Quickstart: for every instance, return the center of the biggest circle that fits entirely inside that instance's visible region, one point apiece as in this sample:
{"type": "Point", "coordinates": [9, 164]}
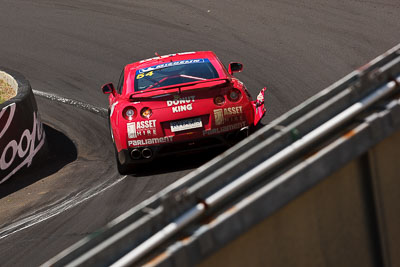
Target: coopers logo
{"type": "Point", "coordinates": [180, 104]}
{"type": "Point", "coordinates": [24, 147]}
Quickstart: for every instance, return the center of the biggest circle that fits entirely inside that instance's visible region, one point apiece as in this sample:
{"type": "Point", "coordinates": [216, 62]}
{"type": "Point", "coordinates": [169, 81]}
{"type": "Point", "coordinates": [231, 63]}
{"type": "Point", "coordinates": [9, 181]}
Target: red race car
{"type": "Point", "coordinates": [177, 103]}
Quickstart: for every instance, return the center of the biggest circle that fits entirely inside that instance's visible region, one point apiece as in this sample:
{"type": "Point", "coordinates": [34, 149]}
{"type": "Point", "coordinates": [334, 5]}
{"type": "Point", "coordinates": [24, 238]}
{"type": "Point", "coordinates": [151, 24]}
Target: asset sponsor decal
{"type": "Point", "coordinates": [233, 111]}
{"type": "Point", "coordinates": [233, 119]}
{"type": "Point", "coordinates": [180, 104]}
{"type": "Point", "coordinates": [226, 115]}
{"type": "Point", "coordinates": [141, 128]}
{"type": "Point", "coordinates": [218, 116]}
{"type": "Point", "coordinates": [172, 64]}
{"type": "Point", "coordinates": [223, 129]}
{"type": "Point", "coordinates": [151, 141]}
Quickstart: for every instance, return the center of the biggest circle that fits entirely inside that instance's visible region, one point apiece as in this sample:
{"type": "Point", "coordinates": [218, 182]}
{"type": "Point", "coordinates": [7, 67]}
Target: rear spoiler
{"type": "Point", "coordinates": [145, 94]}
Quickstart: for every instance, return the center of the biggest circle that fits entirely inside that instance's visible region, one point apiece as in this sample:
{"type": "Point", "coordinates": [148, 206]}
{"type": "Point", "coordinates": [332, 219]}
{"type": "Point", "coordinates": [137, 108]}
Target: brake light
{"type": "Point", "coordinates": [219, 100]}
{"type": "Point", "coordinates": [146, 113]}
{"type": "Point", "coordinates": [234, 95]}
{"type": "Point", "coordinates": [129, 113]}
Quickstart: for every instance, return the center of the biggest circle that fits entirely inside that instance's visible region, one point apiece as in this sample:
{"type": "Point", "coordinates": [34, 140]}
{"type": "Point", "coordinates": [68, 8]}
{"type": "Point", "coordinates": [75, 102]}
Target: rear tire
{"type": "Point", "coordinates": [123, 169]}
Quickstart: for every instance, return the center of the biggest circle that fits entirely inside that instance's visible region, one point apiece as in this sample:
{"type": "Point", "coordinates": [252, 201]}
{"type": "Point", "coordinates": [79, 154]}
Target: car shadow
{"type": "Point", "coordinates": [181, 162]}
{"type": "Point", "coordinates": [175, 163]}
{"type": "Point", "coordinates": [58, 152]}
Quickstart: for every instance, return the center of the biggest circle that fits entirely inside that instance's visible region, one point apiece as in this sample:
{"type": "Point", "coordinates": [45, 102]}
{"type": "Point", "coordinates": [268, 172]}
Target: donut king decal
{"type": "Point", "coordinates": [226, 115]}
{"type": "Point", "coordinates": [152, 141]}
{"type": "Point", "coordinates": [141, 128]}
{"type": "Point", "coordinates": [226, 128]}
{"type": "Point", "coordinates": [180, 104]}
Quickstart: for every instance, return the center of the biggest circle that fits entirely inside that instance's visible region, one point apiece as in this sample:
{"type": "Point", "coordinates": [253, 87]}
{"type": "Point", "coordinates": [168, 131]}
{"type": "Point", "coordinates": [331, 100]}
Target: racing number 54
{"type": "Point", "coordinates": [141, 75]}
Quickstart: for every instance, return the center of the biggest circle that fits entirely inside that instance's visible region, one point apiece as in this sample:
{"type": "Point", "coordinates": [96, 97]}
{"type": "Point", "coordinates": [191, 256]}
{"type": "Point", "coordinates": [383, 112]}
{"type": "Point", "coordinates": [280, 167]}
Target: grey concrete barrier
{"type": "Point", "coordinates": [21, 130]}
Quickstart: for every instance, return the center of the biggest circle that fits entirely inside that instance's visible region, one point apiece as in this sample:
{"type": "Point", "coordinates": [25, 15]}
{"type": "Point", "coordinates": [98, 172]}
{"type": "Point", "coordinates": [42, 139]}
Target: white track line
{"type": "Point", "coordinates": [57, 208]}
{"type": "Point", "coordinates": [76, 103]}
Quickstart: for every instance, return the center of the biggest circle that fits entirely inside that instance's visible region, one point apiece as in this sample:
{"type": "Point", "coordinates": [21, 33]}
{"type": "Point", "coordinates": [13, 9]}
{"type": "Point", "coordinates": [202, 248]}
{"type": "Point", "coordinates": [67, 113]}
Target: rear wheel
{"type": "Point", "coordinates": [122, 168]}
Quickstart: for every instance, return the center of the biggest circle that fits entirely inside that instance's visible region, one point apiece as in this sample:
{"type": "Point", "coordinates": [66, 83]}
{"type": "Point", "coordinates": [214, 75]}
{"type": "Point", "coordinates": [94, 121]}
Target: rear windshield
{"type": "Point", "coordinates": [176, 72]}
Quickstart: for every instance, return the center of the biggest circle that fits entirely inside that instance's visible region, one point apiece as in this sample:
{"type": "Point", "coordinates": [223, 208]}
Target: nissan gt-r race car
{"type": "Point", "coordinates": [178, 103]}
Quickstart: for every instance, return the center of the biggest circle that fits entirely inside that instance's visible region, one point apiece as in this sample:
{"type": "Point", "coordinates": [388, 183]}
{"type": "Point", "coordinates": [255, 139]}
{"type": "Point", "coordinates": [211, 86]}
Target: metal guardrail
{"type": "Point", "coordinates": [272, 149]}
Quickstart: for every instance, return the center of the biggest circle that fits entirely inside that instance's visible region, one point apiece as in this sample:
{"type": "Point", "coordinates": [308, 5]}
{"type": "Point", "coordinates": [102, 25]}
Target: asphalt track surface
{"type": "Point", "coordinates": [70, 48]}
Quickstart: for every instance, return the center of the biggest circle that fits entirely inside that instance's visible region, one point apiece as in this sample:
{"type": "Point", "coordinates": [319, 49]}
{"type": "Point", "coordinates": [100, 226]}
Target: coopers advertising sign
{"type": "Point", "coordinates": [21, 131]}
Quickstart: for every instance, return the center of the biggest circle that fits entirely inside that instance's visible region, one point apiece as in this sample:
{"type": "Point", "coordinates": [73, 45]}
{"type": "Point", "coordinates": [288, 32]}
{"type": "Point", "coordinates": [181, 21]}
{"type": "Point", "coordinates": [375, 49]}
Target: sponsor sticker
{"type": "Point", "coordinates": [166, 56]}
{"type": "Point", "coordinates": [223, 129]}
{"type": "Point", "coordinates": [131, 128]}
{"type": "Point", "coordinates": [233, 111]}
{"type": "Point", "coordinates": [180, 104]}
{"type": "Point", "coordinates": [227, 115]}
{"type": "Point", "coordinates": [23, 148]}
{"type": "Point", "coordinates": [218, 116]}
{"type": "Point", "coordinates": [139, 128]}
{"type": "Point", "coordinates": [151, 141]}
{"type": "Point", "coordinates": [172, 64]}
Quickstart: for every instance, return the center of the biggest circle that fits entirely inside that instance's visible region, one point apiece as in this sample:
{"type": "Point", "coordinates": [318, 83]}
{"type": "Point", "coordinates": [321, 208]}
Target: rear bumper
{"type": "Point", "coordinates": [129, 156]}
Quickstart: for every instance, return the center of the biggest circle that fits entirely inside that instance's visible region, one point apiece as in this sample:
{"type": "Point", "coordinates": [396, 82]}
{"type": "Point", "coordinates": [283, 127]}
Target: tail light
{"type": "Point", "coordinates": [129, 113]}
{"type": "Point", "coordinates": [146, 113]}
{"type": "Point", "coordinates": [219, 100]}
{"type": "Point", "coordinates": [234, 95]}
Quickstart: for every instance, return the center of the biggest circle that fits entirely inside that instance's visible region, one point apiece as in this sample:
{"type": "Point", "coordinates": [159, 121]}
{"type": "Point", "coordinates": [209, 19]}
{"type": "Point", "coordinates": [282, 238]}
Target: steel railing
{"type": "Point", "coordinates": [134, 234]}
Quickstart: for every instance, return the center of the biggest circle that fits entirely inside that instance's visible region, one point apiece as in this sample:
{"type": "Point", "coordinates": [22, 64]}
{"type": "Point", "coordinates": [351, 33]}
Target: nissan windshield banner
{"type": "Point", "coordinates": [21, 131]}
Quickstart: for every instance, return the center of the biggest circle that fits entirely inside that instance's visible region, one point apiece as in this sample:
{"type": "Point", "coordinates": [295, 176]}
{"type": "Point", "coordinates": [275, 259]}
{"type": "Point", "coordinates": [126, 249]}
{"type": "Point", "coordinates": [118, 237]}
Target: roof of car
{"type": "Point", "coordinates": [172, 57]}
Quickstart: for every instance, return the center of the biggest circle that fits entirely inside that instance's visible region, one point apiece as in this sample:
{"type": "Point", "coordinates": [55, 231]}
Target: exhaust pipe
{"type": "Point", "coordinates": [135, 153]}
{"type": "Point", "coordinates": [147, 153]}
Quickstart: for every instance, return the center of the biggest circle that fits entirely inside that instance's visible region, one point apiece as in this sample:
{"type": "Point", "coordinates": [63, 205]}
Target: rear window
{"type": "Point", "coordinates": [176, 72]}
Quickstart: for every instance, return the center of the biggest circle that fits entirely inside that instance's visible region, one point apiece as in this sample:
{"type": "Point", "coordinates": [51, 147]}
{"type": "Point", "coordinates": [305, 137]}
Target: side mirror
{"type": "Point", "coordinates": [235, 67]}
{"type": "Point", "coordinates": [108, 88]}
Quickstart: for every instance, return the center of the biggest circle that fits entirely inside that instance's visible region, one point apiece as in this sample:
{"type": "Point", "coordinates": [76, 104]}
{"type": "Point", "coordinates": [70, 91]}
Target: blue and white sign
{"type": "Point", "coordinates": [172, 64]}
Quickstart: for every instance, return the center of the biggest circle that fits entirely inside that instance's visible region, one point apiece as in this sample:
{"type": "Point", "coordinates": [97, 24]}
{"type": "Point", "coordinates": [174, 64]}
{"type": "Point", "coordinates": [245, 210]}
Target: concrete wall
{"type": "Point", "coordinates": [352, 218]}
{"type": "Point", "coordinates": [384, 162]}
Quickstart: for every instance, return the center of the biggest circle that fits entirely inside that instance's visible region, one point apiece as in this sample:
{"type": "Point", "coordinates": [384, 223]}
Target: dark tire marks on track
{"type": "Point", "coordinates": [73, 167]}
{"type": "Point", "coordinates": [59, 152]}
{"type": "Point", "coordinates": [71, 47]}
